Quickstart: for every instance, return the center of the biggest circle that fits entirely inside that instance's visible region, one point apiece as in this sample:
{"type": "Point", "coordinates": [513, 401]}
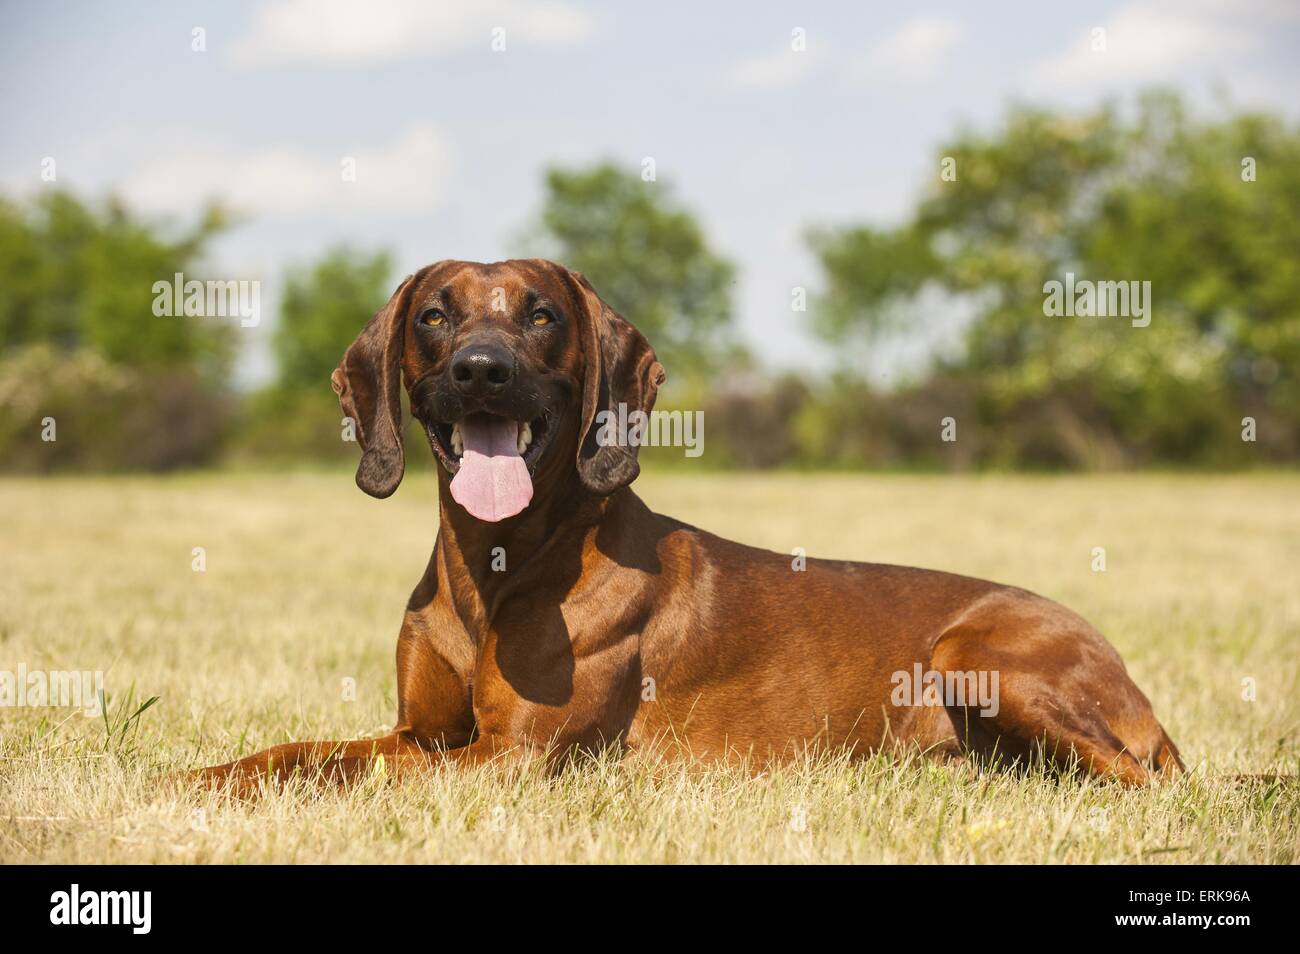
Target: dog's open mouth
{"type": "Point", "coordinates": [491, 460]}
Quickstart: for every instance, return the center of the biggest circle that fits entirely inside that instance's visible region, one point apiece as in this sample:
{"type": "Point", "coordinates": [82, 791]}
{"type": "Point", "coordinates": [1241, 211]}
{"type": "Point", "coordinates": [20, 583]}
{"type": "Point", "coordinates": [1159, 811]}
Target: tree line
{"type": "Point", "coordinates": [1195, 221]}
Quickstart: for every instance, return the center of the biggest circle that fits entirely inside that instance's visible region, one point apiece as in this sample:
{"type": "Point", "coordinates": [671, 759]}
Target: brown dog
{"type": "Point", "coordinates": [558, 614]}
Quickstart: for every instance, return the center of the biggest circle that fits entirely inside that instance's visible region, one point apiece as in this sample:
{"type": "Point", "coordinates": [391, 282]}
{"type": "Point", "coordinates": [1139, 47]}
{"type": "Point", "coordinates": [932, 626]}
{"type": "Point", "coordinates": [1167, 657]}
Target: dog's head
{"type": "Point", "coordinates": [507, 367]}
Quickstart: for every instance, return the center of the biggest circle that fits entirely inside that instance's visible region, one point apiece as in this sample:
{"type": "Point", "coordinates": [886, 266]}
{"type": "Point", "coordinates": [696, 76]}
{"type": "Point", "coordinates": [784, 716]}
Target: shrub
{"type": "Point", "coordinates": [103, 416]}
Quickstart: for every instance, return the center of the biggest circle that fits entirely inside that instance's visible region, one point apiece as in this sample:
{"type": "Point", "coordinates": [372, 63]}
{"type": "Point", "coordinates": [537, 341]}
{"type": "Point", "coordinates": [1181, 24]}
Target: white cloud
{"type": "Point", "coordinates": [1170, 41]}
{"type": "Point", "coordinates": [408, 175]}
{"type": "Point", "coordinates": [351, 33]}
{"type": "Point", "coordinates": [783, 69]}
{"type": "Point", "coordinates": [914, 53]}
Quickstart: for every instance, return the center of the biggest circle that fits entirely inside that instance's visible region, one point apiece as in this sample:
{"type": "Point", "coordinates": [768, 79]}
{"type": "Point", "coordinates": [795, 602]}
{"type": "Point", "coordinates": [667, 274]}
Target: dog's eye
{"type": "Point", "coordinates": [541, 317]}
{"type": "Point", "coordinates": [433, 318]}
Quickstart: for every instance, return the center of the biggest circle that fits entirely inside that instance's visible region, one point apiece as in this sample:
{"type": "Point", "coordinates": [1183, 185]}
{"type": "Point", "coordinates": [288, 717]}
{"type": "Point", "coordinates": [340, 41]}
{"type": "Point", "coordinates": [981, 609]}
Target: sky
{"type": "Point", "coordinates": [759, 138]}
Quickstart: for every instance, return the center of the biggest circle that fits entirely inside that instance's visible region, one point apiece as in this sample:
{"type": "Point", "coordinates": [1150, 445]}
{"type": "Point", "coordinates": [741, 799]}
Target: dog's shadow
{"type": "Point", "coordinates": [535, 646]}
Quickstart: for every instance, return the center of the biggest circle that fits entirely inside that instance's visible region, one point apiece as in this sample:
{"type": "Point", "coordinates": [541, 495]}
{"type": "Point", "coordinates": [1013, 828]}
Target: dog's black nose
{"type": "Point", "coordinates": [481, 369]}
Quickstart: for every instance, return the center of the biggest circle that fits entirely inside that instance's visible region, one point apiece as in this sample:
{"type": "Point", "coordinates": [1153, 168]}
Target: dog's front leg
{"type": "Point", "coordinates": [345, 763]}
{"type": "Point", "coordinates": [330, 763]}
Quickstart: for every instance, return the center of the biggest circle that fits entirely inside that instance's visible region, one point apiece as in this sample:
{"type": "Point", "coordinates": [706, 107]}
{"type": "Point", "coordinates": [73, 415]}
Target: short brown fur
{"type": "Point", "coordinates": [615, 626]}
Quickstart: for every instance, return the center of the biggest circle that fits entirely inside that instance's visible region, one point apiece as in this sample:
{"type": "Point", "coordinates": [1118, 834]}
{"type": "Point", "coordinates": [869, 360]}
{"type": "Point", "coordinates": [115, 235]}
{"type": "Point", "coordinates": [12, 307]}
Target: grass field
{"type": "Point", "coordinates": [304, 587]}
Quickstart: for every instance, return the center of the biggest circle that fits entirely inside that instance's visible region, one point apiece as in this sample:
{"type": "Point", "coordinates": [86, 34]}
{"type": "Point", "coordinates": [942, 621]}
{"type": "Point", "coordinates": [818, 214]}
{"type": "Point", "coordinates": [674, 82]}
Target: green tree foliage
{"type": "Point", "coordinates": [76, 276]}
{"type": "Point", "coordinates": [324, 306]}
{"type": "Point", "coordinates": [90, 377]}
{"type": "Point", "coordinates": [323, 309]}
{"type": "Point", "coordinates": [647, 257]}
{"type": "Point", "coordinates": [1151, 195]}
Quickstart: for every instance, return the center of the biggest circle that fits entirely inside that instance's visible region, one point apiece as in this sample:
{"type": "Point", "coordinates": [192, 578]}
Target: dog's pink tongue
{"type": "Point", "coordinates": [493, 481]}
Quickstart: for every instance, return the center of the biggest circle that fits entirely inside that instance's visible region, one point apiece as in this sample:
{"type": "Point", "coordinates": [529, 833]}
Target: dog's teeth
{"type": "Point", "coordinates": [525, 437]}
{"type": "Point", "coordinates": [457, 442]}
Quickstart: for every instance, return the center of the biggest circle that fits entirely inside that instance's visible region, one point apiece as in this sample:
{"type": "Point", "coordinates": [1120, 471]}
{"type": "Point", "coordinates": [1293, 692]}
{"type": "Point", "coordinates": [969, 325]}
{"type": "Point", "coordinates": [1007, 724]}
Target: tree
{"type": "Point", "coordinates": [80, 276]}
{"type": "Point", "coordinates": [81, 348]}
{"type": "Point", "coordinates": [1159, 198]}
{"type": "Point", "coordinates": [322, 310]}
{"type": "Point", "coordinates": [646, 256]}
{"type": "Point", "coordinates": [323, 307]}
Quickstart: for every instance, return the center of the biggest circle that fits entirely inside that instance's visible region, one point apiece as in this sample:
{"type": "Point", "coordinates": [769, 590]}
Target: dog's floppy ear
{"type": "Point", "coordinates": [620, 369]}
{"type": "Point", "coordinates": [367, 382]}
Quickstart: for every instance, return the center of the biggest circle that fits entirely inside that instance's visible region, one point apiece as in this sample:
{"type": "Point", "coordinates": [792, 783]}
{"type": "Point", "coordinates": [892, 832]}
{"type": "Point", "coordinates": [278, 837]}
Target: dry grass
{"type": "Point", "coordinates": [305, 583]}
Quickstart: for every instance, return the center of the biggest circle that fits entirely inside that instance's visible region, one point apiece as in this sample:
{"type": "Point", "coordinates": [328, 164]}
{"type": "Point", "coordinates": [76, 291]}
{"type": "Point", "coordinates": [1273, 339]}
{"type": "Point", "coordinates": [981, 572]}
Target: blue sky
{"type": "Point", "coordinates": [450, 136]}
